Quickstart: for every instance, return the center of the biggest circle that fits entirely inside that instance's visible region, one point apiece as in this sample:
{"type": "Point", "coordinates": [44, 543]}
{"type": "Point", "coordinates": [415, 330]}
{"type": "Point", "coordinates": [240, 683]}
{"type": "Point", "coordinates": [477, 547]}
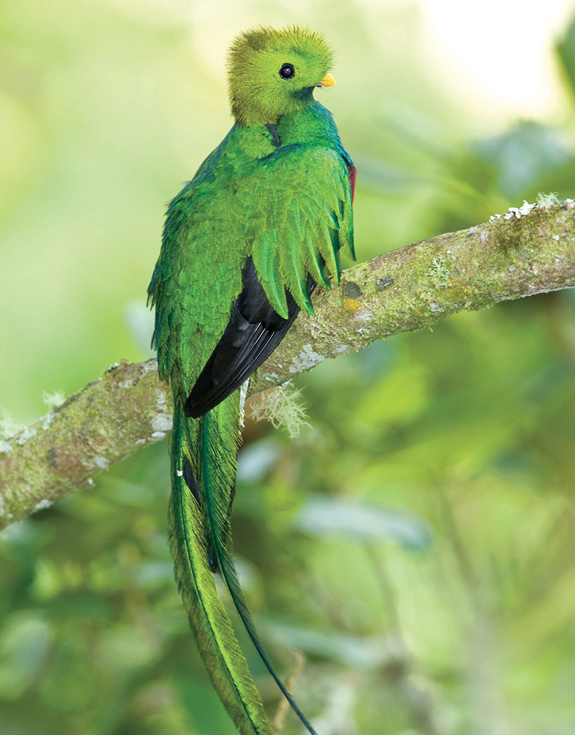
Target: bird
{"type": "Point", "coordinates": [245, 243]}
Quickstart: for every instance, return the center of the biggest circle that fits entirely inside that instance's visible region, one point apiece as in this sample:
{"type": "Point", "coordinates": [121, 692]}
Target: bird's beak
{"type": "Point", "coordinates": [327, 81]}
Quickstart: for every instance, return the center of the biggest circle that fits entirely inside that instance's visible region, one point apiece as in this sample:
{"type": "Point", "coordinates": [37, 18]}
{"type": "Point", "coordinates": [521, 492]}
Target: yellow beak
{"type": "Point", "coordinates": [327, 81]}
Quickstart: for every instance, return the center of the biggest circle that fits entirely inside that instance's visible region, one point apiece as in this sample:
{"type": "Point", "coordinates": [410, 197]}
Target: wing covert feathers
{"type": "Point", "coordinates": [302, 219]}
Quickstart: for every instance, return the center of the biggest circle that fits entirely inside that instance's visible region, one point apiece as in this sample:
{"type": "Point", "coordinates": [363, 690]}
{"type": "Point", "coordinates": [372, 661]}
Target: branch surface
{"type": "Point", "coordinates": [407, 289]}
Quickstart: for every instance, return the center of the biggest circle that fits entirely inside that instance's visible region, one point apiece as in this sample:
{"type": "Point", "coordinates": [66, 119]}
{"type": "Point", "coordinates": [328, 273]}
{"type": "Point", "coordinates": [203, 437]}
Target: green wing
{"type": "Point", "coordinates": [300, 219]}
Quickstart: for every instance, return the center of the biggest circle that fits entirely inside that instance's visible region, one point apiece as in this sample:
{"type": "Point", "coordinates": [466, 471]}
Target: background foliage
{"type": "Point", "coordinates": [416, 540]}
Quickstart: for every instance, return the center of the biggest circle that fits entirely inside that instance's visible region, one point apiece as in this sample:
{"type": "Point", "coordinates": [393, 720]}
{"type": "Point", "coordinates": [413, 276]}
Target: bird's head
{"type": "Point", "coordinates": [274, 72]}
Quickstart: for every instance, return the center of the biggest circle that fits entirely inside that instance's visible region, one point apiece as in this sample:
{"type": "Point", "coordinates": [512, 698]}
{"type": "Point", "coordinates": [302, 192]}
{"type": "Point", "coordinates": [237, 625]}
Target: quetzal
{"type": "Point", "coordinates": [245, 243]}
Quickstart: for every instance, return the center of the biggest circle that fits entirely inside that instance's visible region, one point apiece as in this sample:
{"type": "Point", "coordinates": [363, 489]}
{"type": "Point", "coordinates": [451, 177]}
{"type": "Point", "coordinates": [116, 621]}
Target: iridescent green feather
{"type": "Point", "coordinates": [209, 620]}
{"type": "Point", "coordinates": [289, 208]}
{"type": "Point", "coordinates": [314, 180]}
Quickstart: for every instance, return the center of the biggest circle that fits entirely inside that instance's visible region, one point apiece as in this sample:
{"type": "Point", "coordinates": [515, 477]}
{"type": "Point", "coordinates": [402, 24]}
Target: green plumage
{"type": "Point", "coordinates": [277, 190]}
{"type": "Point", "coordinates": [212, 628]}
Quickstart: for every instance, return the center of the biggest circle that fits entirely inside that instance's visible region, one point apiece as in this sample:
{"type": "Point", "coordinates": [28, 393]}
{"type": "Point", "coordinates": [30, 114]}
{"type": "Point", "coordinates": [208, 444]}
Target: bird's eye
{"type": "Point", "coordinates": [287, 71]}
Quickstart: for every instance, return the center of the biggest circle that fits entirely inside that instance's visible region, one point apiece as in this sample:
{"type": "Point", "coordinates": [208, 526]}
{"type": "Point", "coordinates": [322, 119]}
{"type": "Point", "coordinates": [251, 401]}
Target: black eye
{"type": "Point", "coordinates": [287, 71]}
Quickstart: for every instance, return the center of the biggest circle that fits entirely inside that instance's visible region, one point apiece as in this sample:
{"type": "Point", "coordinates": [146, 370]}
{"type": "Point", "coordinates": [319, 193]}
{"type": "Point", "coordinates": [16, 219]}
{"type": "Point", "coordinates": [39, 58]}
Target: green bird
{"type": "Point", "coordinates": [245, 243]}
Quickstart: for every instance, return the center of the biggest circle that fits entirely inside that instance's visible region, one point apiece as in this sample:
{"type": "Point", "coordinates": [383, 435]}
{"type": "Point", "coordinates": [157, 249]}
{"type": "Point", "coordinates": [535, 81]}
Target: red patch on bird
{"type": "Point", "coordinates": [352, 175]}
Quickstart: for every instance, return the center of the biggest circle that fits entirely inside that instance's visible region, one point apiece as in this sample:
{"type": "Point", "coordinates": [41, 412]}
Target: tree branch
{"type": "Point", "coordinates": [128, 408]}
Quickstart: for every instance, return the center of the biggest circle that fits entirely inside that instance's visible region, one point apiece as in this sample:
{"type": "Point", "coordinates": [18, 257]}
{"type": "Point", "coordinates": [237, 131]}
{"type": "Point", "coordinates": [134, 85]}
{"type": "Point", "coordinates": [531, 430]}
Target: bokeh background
{"type": "Point", "coordinates": [416, 541]}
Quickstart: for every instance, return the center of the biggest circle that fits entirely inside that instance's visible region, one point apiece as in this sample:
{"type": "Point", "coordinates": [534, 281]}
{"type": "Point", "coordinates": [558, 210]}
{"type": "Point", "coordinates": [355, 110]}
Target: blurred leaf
{"type": "Point", "coordinates": [24, 643]}
{"type": "Point", "coordinates": [362, 521]}
{"type": "Point", "coordinates": [361, 653]}
{"type": "Point", "coordinates": [527, 153]}
{"type": "Point", "coordinates": [394, 399]}
{"type": "Point", "coordinates": [125, 648]}
{"type": "Point", "coordinates": [257, 459]}
{"type": "Point", "coordinates": [155, 573]}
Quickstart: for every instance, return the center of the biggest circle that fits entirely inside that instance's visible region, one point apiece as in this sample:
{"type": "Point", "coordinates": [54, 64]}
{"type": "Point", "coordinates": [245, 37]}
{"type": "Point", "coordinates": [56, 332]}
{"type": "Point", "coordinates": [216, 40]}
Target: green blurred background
{"type": "Point", "coordinates": [416, 541]}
